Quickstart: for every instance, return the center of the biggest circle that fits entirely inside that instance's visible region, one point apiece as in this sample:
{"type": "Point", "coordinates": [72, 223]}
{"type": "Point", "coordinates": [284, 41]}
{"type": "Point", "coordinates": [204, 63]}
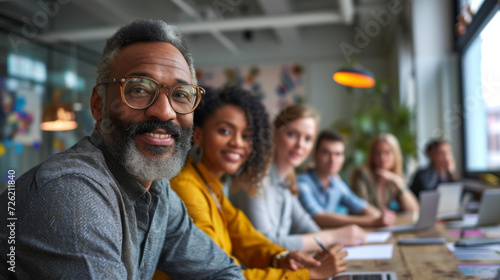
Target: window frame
{"type": "Point", "coordinates": [461, 44]}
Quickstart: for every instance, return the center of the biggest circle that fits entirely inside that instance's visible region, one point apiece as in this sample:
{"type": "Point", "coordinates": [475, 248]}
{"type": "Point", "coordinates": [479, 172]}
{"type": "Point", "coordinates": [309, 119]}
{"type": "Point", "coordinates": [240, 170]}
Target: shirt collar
{"type": "Point", "coordinates": [128, 183]}
{"type": "Point", "coordinates": [316, 180]}
{"type": "Point", "coordinates": [275, 177]}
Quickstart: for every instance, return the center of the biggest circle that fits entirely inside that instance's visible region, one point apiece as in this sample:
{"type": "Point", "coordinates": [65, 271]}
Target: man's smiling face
{"type": "Point", "coordinates": [152, 143]}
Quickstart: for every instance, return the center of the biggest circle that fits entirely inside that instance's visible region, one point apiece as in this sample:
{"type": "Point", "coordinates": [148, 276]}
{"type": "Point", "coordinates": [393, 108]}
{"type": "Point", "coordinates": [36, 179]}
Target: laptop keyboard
{"type": "Point", "coordinates": [367, 277]}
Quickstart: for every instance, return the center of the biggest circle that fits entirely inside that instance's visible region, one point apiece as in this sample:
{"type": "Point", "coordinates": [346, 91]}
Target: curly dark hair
{"type": "Point", "coordinates": [254, 169]}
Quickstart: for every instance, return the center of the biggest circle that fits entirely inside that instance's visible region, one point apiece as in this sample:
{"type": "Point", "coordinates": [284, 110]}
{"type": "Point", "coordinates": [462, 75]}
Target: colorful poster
{"type": "Point", "coordinates": [276, 85]}
{"type": "Point", "coordinates": [20, 112]}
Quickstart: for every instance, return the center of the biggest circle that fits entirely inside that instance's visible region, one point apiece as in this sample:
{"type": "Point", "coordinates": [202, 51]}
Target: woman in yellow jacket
{"type": "Point", "coordinates": [232, 134]}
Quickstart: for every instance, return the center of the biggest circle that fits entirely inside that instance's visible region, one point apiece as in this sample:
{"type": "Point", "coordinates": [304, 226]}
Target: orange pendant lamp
{"type": "Point", "coordinates": [58, 116]}
{"type": "Point", "coordinates": [354, 77]}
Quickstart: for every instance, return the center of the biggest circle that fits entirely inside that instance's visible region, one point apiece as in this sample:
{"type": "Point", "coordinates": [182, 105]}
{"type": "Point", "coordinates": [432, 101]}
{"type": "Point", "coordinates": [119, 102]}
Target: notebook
{"type": "Point", "coordinates": [449, 206]}
{"type": "Point", "coordinates": [488, 212]}
{"type": "Point", "coordinates": [374, 275]}
{"type": "Point", "coordinates": [427, 217]}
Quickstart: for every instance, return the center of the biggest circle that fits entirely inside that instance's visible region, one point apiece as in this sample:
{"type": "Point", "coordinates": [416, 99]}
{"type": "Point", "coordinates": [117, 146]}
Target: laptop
{"type": "Point", "coordinates": [374, 275]}
{"type": "Point", "coordinates": [449, 206]}
{"type": "Point", "coordinates": [488, 212]}
{"type": "Point", "coordinates": [427, 217]}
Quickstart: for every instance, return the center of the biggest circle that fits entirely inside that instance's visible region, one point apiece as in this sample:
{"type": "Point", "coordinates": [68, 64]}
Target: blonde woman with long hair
{"type": "Point", "coordinates": [380, 180]}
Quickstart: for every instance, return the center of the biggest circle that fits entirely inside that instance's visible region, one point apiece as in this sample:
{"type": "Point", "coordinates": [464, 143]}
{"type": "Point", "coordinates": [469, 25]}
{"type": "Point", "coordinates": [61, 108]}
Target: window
{"type": "Point", "coordinates": [481, 98]}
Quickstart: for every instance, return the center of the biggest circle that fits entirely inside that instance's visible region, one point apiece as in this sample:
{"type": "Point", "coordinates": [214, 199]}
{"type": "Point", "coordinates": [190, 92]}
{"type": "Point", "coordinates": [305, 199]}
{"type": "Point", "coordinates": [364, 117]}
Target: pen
{"type": "Point", "coordinates": [320, 243]}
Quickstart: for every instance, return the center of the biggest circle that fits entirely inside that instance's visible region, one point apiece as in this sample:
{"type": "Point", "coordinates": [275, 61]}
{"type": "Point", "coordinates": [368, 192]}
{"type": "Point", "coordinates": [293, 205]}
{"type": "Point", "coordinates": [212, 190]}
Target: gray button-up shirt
{"type": "Point", "coordinates": [80, 215]}
{"type": "Point", "coordinates": [276, 212]}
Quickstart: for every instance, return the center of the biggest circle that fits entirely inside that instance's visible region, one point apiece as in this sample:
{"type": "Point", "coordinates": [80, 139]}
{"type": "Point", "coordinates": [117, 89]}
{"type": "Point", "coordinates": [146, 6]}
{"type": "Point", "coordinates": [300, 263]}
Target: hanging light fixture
{"type": "Point", "coordinates": [354, 77]}
{"type": "Point", "coordinates": [58, 116]}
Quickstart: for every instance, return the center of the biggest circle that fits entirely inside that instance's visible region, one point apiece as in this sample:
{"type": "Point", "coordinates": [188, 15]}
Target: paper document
{"type": "Point", "coordinates": [470, 217]}
{"type": "Point", "coordinates": [377, 237]}
{"type": "Point", "coordinates": [483, 270]}
{"type": "Point", "coordinates": [488, 252]}
{"type": "Point", "coordinates": [369, 252]}
{"type": "Point", "coordinates": [492, 247]}
{"type": "Point", "coordinates": [472, 255]}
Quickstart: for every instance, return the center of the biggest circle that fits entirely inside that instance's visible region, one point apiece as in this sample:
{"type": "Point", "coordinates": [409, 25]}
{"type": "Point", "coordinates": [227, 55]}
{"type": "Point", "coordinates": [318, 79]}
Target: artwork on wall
{"type": "Point", "coordinates": [277, 86]}
{"type": "Point", "coordinates": [20, 111]}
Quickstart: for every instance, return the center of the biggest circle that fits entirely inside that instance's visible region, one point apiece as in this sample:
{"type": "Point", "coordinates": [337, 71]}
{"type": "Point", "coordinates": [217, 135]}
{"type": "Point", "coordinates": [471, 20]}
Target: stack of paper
{"type": "Point", "coordinates": [377, 237]}
{"type": "Point", "coordinates": [483, 270]}
{"type": "Point", "coordinates": [369, 252]}
{"type": "Point", "coordinates": [489, 252]}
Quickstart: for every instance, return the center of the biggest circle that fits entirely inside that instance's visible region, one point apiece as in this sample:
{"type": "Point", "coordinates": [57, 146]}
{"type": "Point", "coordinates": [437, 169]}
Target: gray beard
{"type": "Point", "coordinates": [148, 169]}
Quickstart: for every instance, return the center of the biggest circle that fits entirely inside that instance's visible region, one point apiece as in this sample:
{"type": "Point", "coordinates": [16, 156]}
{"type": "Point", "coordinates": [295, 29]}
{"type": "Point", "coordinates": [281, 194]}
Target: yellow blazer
{"type": "Point", "coordinates": [229, 227]}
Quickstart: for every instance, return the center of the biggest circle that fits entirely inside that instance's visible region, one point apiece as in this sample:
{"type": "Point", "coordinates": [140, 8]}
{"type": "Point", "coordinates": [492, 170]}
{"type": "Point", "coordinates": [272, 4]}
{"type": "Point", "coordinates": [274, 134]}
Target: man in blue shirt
{"type": "Point", "coordinates": [322, 191]}
{"type": "Point", "coordinates": [104, 209]}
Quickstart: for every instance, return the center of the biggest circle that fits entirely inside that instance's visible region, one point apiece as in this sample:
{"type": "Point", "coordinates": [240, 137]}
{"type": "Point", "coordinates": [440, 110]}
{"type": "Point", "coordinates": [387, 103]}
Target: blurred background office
{"type": "Point", "coordinates": [434, 66]}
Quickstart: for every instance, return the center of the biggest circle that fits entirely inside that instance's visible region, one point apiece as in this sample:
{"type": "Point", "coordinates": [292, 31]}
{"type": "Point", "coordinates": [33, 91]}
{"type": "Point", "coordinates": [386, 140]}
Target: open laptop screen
{"type": "Point", "coordinates": [449, 201]}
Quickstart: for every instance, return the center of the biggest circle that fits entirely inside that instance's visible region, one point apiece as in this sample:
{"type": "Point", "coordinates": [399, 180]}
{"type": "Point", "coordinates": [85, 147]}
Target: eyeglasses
{"type": "Point", "coordinates": [141, 92]}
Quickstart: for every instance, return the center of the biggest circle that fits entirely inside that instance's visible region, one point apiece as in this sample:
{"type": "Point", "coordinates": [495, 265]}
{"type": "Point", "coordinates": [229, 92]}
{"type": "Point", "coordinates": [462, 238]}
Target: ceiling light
{"type": "Point", "coordinates": [354, 77]}
{"type": "Point", "coordinates": [58, 116]}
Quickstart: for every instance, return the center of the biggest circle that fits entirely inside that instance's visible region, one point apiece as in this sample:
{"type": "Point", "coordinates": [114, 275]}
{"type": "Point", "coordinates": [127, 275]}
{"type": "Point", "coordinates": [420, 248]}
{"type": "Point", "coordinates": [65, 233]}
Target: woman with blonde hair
{"type": "Point", "coordinates": [380, 181]}
{"type": "Point", "coordinates": [275, 210]}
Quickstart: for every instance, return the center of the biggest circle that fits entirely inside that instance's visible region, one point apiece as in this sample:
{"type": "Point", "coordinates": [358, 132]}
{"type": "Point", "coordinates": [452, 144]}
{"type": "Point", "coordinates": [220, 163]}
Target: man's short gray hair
{"type": "Point", "coordinates": [142, 30]}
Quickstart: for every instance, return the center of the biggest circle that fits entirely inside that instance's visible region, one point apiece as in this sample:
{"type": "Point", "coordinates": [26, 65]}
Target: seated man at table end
{"type": "Point", "coordinates": [441, 167]}
{"type": "Point", "coordinates": [321, 190]}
